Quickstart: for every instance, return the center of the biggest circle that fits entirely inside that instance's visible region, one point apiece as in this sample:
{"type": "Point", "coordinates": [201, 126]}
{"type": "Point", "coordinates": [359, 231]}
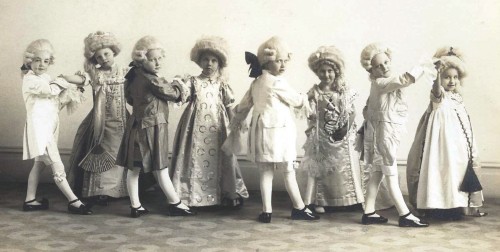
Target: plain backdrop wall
{"type": "Point", "coordinates": [415, 29]}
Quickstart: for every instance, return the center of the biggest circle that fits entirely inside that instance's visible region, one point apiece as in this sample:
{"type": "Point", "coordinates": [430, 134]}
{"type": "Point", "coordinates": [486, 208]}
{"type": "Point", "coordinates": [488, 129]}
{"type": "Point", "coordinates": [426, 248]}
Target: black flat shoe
{"type": "Point", "coordinates": [367, 220]}
{"type": "Point", "coordinates": [265, 217]}
{"type": "Point", "coordinates": [173, 210]}
{"type": "Point", "coordinates": [302, 214]}
{"type": "Point", "coordinates": [44, 205]}
{"type": "Point", "coordinates": [404, 222]}
{"type": "Point", "coordinates": [82, 210]}
{"type": "Point", "coordinates": [136, 212]}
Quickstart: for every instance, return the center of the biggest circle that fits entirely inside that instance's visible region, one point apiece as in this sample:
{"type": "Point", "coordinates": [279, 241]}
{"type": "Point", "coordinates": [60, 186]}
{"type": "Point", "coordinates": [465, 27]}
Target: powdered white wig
{"type": "Point", "coordinates": [271, 50]}
{"type": "Point", "coordinates": [326, 55]}
{"type": "Point", "coordinates": [331, 56]}
{"type": "Point", "coordinates": [215, 45]}
{"type": "Point", "coordinates": [143, 46]}
{"type": "Point", "coordinates": [99, 40]}
{"type": "Point", "coordinates": [38, 45]}
{"type": "Point", "coordinates": [370, 51]}
{"type": "Point", "coordinates": [451, 57]}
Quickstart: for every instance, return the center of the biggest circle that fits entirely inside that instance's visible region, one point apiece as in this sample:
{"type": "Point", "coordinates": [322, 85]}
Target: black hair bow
{"type": "Point", "coordinates": [255, 68]}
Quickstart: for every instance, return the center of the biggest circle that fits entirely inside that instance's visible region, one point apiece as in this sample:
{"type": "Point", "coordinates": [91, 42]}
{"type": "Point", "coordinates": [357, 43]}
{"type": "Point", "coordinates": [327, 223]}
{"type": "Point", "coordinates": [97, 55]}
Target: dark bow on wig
{"type": "Point", "coordinates": [451, 52]}
{"type": "Point", "coordinates": [255, 69]}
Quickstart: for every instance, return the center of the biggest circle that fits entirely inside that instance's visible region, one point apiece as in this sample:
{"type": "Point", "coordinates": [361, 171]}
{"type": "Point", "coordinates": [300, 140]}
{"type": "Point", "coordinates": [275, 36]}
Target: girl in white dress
{"type": "Point", "coordinates": [42, 98]}
{"type": "Point", "coordinates": [443, 160]}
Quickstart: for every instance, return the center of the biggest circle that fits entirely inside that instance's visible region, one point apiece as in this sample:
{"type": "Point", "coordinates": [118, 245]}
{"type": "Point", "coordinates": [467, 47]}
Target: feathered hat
{"type": "Point", "coordinates": [216, 45]}
{"type": "Point", "coordinates": [142, 47]}
{"type": "Point", "coordinates": [98, 40]}
{"type": "Point", "coordinates": [326, 54]}
{"type": "Point", "coordinates": [274, 48]}
{"type": "Point", "coordinates": [370, 51]}
{"type": "Point", "coordinates": [451, 57]}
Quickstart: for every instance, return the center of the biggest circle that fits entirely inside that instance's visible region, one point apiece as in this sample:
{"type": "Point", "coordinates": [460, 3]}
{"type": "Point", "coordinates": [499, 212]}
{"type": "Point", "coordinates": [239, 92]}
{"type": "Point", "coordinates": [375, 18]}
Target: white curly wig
{"type": "Point", "coordinates": [274, 48]}
{"type": "Point", "coordinates": [452, 57]}
{"type": "Point", "coordinates": [143, 46]}
{"type": "Point", "coordinates": [370, 51]}
{"type": "Point", "coordinates": [38, 45]}
{"type": "Point", "coordinates": [98, 40]}
{"type": "Point", "coordinates": [331, 56]}
{"type": "Point", "coordinates": [215, 45]}
{"type": "Point", "coordinates": [328, 55]}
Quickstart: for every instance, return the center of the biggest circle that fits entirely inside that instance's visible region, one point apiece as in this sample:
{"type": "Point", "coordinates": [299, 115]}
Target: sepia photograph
{"type": "Point", "coordinates": [232, 125]}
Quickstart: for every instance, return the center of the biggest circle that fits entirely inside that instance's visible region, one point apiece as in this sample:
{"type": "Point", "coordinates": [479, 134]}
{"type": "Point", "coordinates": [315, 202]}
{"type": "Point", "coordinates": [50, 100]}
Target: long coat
{"type": "Point", "coordinates": [42, 114]}
{"type": "Point", "coordinates": [272, 136]}
{"type": "Point", "coordinates": [149, 95]}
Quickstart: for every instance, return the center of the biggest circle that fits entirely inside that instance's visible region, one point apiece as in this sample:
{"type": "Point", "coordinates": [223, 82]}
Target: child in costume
{"type": "Point", "coordinates": [335, 176]}
{"type": "Point", "coordinates": [443, 158]}
{"type": "Point", "coordinates": [272, 134]}
{"type": "Point", "coordinates": [385, 117]}
{"type": "Point", "coordinates": [202, 174]}
{"type": "Point", "coordinates": [42, 98]}
{"type": "Point", "coordinates": [149, 95]}
{"type": "Point", "coordinates": [92, 168]}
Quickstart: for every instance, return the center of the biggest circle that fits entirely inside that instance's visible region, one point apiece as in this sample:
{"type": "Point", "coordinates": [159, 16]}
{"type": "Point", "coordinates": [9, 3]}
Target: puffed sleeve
{"type": "Point", "coordinates": [227, 95]}
{"type": "Point", "coordinates": [436, 101]}
{"type": "Point", "coordinates": [39, 86]}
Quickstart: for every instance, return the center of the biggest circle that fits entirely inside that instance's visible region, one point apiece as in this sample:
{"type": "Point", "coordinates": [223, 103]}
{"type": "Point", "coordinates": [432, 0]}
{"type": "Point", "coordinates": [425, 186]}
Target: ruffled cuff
{"type": "Point", "coordinates": [425, 72]}
{"type": "Point", "coordinates": [183, 89]}
{"type": "Point", "coordinates": [70, 97]}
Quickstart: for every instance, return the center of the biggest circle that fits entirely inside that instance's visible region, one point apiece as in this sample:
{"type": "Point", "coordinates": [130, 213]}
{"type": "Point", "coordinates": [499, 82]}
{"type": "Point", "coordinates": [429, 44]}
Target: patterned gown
{"type": "Point", "coordinates": [202, 174]}
{"type": "Point", "coordinates": [104, 125]}
{"type": "Point", "coordinates": [334, 162]}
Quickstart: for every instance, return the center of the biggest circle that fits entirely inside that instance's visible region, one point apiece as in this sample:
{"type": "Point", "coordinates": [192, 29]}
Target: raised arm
{"type": "Point", "coordinates": [39, 87]}
{"type": "Point", "coordinates": [289, 96]}
{"type": "Point", "coordinates": [166, 91]}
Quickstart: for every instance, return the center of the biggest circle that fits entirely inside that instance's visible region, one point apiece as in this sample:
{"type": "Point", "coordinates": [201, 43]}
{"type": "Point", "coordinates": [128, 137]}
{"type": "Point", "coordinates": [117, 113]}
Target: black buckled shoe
{"type": "Point", "coordinates": [405, 222]}
{"type": "Point", "coordinates": [136, 212]}
{"type": "Point", "coordinates": [44, 205]}
{"type": "Point", "coordinates": [82, 210]}
{"type": "Point", "coordinates": [174, 210]}
{"type": "Point", "coordinates": [367, 220]}
{"type": "Point", "coordinates": [265, 217]}
{"type": "Point", "coordinates": [303, 214]}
